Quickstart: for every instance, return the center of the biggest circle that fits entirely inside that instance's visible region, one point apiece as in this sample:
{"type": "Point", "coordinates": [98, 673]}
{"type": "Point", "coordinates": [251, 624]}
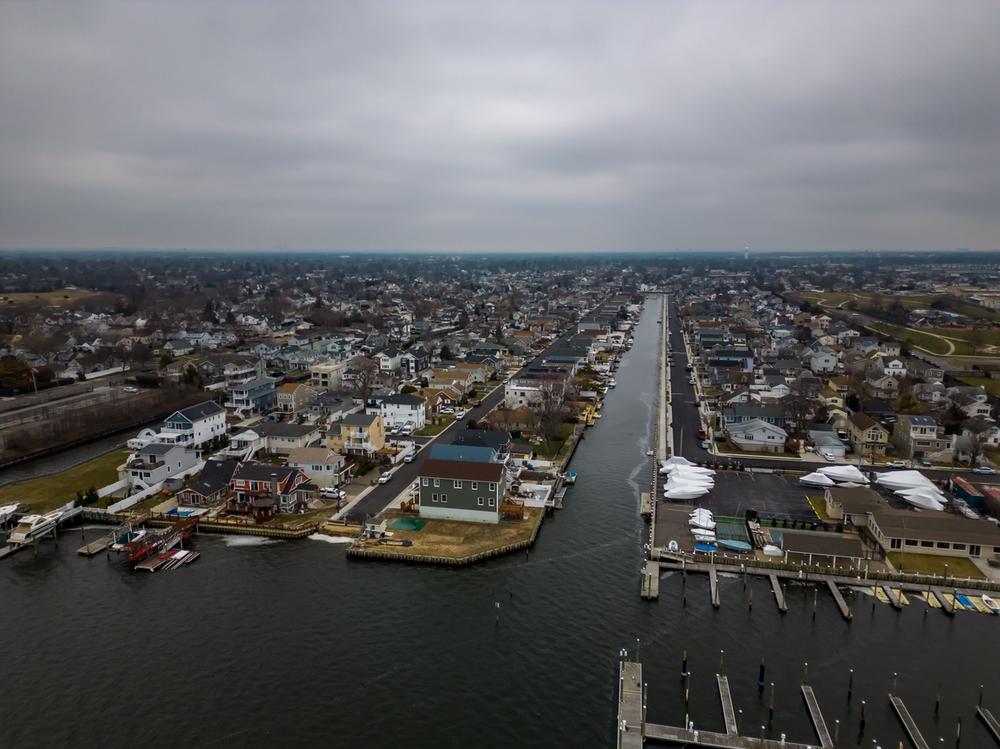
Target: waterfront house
{"type": "Point", "coordinates": [495, 439]}
{"type": "Point", "coordinates": [251, 397]}
{"type": "Point", "coordinates": [158, 461]}
{"type": "Point", "coordinates": [263, 489]}
{"type": "Point", "coordinates": [295, 397]}
{"type": "Point", "coordinates": [470, 491]}
{"type": "Point", "coordinates": [211, 486]}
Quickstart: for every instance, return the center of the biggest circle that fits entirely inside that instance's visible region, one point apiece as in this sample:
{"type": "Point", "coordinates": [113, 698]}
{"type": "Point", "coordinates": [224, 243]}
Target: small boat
{"type": "Point", "coordinates": [569, 477]}
{"type": "Point", "coordinates": [966, 603]}
{"type": "Point", "coordinates": [673, 546]}
{"type": "Point", "coordinates": [124, 538]}
{"type": "Point", "coordinates": [734, 545]}
{"type": "Point", "coordinates": [709, 548]}
{"type": "Point", "coordinates": [611, 383]}
{"type": "Point", "coordinates": [7, 512]}
{"type": "Point", "coordinates": [991, 604]}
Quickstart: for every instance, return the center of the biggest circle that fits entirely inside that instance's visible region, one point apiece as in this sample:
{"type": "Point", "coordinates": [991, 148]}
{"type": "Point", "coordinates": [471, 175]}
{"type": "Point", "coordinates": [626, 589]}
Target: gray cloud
{"type": "Point", "coordinates": [500, 126]}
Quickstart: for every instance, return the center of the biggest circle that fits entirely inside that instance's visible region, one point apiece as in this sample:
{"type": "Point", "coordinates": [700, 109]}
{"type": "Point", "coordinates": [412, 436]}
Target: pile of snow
{"type": "Point", "coordinates": [817, 479]}
{"type": "Point", "coordinates": [844, 473]}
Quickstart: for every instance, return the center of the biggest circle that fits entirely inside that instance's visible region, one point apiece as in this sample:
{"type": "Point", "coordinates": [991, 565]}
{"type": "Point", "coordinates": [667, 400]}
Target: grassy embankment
{"type": "Point", "coordinates": [48, 492]}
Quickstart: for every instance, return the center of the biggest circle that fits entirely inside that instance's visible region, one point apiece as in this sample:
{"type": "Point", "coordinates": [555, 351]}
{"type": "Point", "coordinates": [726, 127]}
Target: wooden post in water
{"type": "Point", "coordinates": [850, 685]}
{"type": "Point", "coordinates": [760, 680]}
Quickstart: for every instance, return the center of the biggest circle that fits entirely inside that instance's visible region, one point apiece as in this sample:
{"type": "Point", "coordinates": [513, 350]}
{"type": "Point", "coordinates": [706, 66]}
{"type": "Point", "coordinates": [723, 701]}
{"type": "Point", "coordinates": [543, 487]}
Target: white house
{"type": "Point", "coordinates": [823, 360]}
{"type": "Point", "coordinates": [519, 392]}
{"type": "Point", "coordinates": [402, 409]}
{"type": "Point", "coordinates": [190, 427]}
{"type": "Point", "coordinates": [323, 466]}
{"type": "Point", "coordinates": [388, 360]}
{"type": "Point", "coordinates": [757, 435]}
{"type": "Point", "coordinates": [158, 461]}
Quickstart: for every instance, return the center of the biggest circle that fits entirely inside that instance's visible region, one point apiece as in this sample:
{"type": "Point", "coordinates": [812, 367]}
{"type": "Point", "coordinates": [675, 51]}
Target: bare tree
{"type": "Point", "coordinates": [365, 375]}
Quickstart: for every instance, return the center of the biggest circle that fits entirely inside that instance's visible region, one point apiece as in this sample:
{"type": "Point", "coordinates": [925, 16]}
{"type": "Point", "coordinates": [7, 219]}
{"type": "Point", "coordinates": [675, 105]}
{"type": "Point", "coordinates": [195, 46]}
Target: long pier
{"type": "Point", "coordinates": [822, 732]}
{"type": "Point", "coordinates": [779, 594]}
{"type": "Point", "coordinates": [713, 581]}
{"type": "Point", "coordinates": [991, 723]}
{"type": "Point", "coordinates": [909, 725]}
{"type": "Point", "coordinates": [630, 712]}
{"type": "Point", "coordinates": [728, 711]}
{"type": "Point", "coordinates": [893, 597]}
{"type": "Point", "coordinates": [845, 610]}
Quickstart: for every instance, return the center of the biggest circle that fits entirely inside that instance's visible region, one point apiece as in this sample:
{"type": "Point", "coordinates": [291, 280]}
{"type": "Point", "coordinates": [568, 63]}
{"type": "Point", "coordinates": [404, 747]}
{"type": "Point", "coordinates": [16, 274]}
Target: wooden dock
{"type": "Point", "coordinates": [651, 580]}
{"type": "Point", "coordinates": [946, 605]}
{"type": "Point", "coordinates": [645, 504]}
{"type": "Point", "coordinates": [630, 713]}
{"type": "Point", "coordinates": [728, 711]}
{"type": "Point", "coordinates": [816, 715]}
{"type": "Point", "coordinates": [845, 610]}
{"type": "Point", "coordinates": [688, 737]}
{"type": "Point", "coordinates": [779, 594]}
{"type": "Point", "coordinates": [892, 596]}
{"type": "Point", "coordinates": [713, 583]}
{"type": "Point", "coordinates": [909, 725]}
{"type": "Point", "coordinates": [991, 723]}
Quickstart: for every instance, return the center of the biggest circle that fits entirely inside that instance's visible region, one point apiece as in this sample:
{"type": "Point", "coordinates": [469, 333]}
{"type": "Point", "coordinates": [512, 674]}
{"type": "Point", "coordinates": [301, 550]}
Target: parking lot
{"type": "Point", "coordinates": [769, 494]}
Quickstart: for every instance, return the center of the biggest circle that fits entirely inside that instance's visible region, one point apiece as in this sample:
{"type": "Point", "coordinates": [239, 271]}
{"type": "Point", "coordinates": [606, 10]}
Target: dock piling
{"type": "Point", "coordinates": [760, 678]}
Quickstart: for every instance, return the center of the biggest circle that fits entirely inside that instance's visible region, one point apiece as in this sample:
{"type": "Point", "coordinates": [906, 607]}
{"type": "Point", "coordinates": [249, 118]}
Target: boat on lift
{"type": "Point", "coordinates": [31, 527]}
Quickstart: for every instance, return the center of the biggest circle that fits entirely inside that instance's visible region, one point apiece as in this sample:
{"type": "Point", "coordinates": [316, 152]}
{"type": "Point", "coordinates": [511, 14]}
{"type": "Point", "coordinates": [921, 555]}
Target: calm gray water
{"type": "Point", "coordinates": [289, 643]}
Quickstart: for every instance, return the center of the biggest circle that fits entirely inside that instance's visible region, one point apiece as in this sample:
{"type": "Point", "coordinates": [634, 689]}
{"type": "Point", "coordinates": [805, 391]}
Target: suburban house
{"type": "Point", "coordinates": [211, 486]}
{"type": "Point", "coordinates": [251, 397]}
{"type": "Point", "coordinates": [463, 452]}
{"type": "Point", "coordinates": [264, 489]}
{"type": "Point", "coordinates": [327, 375]}
{"type": "Point", "coordinates": [495, 439]}
{"type": "Point", "coordinates": [357, 434]}
{"type": "Point", "coordinates": [867, 436]}
{"type": "Point", "coordinates": [414, 361]}
{"type": "Point", "coordinates": [823, 360]}
{"type": "Point", "coordinates": [471, 491]}
{"type": "Point", "coordinates": [282, 438]}
{"type": "Point", "coordinates": [974, 401]}
{"type": "Point", "coordinates": [295, 397]}
{"type": "Point", "coordinates": [401, 410]}
{"type": "Point", "coordinates": [436, 399]}
{"type": "Point", "coordinates": [158, 461]}
{"type": "Point", "coordinates": [323, 466]}
{"type": "Point", "coordinates": [917, 436]}
{"type": "Point", "coordinates": [744, 413]}
{"type": "Point", "coordinates": [757, 435]}
{"type": "Point", "coordinates": [388, 360]}
{"type": "Point", "coordinates": [332, 407]}
{"type": "Point", "coordinates": [190, 427]}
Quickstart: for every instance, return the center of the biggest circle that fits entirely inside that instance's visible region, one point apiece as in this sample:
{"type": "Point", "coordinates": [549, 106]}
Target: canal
{"type": "Point", "coordinates": [272, 643]}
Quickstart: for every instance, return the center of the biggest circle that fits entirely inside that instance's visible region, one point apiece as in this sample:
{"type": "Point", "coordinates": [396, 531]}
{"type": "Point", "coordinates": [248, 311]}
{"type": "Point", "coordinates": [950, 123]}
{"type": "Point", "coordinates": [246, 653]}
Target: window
{"type": "Point", "coordinates": [910, 542]}
{"type": "Point", "coordinates": [974, 550]}
{"type": "Point", "coordinates": [896, 543]}
{"type": "Point", "coordinates": [434, 498]}
{"type": "Point", "coordinates": [479, 501]}
{"type": "Point", "coordinates": [426, 481]}
{"type": "Point", "coordinates": [943, 545]}
{"type": "Point", "coordinates": [493, 502]}
{"type": "Point", "coordinates": [457, 484]}
{"type": "Point", "coordinates": [961, 547]}
{"type": "Point", "coordinates": [444, 499]}
{"type": "Point", "coordinates": [475, 485]}
{"type": "Point", "coordinates": [493, 487]}
{"type": "Point", "coordinates": [927, 544]}
{"type": "Point", "coordinates": [437, 483]}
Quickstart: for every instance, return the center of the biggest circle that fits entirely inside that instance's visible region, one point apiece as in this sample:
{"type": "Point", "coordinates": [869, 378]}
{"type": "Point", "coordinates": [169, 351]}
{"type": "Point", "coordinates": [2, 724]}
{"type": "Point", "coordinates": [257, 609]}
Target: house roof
{"type": "Point", "coordinates": [493, 438]}
{"type": "Point", "coordinates": [358, 420]}
{"type": "Point", "coordinates": [937, 526]}
{"type": "Point", "coordinates": [404, 399]}
{"type": "Point", "coordinates": [315, 455]}
{"type": "Point", "coordinates": [264, 472]}
{"type": "Point", "coordinates": [463, 452]}
{"type": "Point", "coordinates": [864, 422]}
{"type": "Point", "coordinates": [214, 477]}
{"type": "Point", "coordinates": [461, 469]}
{"type": "Point", "coordinates": [282, 429]}
{"type": "Point", "coordinates": [200, 411]}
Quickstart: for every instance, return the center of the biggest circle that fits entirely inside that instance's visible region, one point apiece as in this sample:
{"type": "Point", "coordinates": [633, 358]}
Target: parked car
{"type": "Point", "coordinates": [829, 457]}
{"type": "Point", "coordinates": [477, 403]}
{"type": "Point", "coordinates": [705, 444]}
{"type": "Point", "coordinates": [130, 389]}
{"type": "Point", "coordinates": [898, 464]}
{"type": "Point", "coordinates": [332, 492]}
{"type": "Point", "coordinates": [409, 457]}
{"type": "Point", "coordinates": [385, 478]}
{"type": "Point", "coordinates": [986, 470]}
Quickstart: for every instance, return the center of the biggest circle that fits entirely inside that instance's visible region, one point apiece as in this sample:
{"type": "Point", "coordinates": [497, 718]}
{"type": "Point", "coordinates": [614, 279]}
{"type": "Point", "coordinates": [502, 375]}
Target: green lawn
{"type": "Point", "coordinates": [918, 339]}
{"type": "Point", "coordinates": [932, 564]}
{"type": "Point", "coordinates": [434, 429]}
{"type": "Point", "coordinates": [48, 492]}
{"type": "Point", "coordinates": [908, 301]}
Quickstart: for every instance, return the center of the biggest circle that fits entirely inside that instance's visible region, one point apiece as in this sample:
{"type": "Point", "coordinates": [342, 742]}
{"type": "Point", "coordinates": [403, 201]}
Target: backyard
{"type": "Point", "coordinates": [48, 492]}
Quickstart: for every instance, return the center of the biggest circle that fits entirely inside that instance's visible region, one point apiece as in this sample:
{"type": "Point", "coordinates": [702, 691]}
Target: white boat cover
{"type": "Point", "coordinates": [773, 551]}
{"type": "Point", "coordinates": [707, 525]}
{"type": "Point", "coordinates": [924, 501]}
{"type": "Point", "coordinates": [685, 493]}
{"type": "Point", "coordinates": [817, 479]}
{"type": "Point", "coordinates": [677, 460]}
{"type": "Point", "coordinates": [843, 473]}
{"type": "Point", "coordinates": [904, 480]}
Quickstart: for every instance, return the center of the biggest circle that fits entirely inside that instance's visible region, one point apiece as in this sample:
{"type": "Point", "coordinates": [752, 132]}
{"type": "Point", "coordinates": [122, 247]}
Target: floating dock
{"type": "Point", "coordinates": [651, 580]}
{"type": "Point", "coordinates": [816, 716]}
{"type": "Point", "coordinates": [909, 725]}
{"type": "Point", "coordinates": [845, 610]}
{"type": "Point", "coordinates": [779, 594]}
{"type": "Point", "coordinates": [946, 605]}
{"type": "Point", "coordinates": [991, 723]}
{"type": "Point", "coordinates": [645, 504]}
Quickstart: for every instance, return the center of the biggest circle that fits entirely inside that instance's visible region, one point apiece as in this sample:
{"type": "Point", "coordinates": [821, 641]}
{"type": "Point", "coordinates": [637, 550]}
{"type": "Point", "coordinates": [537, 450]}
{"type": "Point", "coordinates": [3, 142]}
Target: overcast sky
{"type": "Point", "coordinates": [500, 126]}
